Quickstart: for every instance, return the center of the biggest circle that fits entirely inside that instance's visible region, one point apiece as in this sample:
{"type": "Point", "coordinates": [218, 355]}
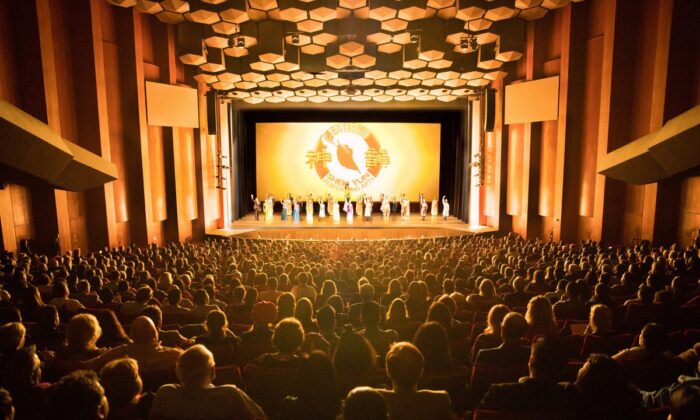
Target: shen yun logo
{"type": "Point", "coordinates": [347, 153]}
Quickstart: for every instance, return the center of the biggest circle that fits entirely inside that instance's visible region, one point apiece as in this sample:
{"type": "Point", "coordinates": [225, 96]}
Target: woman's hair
{"type": "Point", "coordinates": [216, 323]}
{"type": "Point", "coordinates": [439, 312]}
{"type": "Point", "coordinates": [539, 315]}
{"type": "Point", "coordinates": [601, 319]}
{"type": "Point", "coordinates": [288, 336]}
{"type": "Point", "coordinates": [487, 288]}
{"type": "Point", "coordinates": [432, 341]}
{"type": "Point", "coordinates": [354, 354]}
{"type": "Point", "coordinates": [495, 317]}
{"type": "Point", "coordinates": [328, 288]}
{"type": "Point", "coordinates": [60, 290]}
{"type": "Point", "coordinates": [304, 311]}
{"type": "Point", "coordinates": [397, 311]}
{"type": "Point", "coordinates": [82, 333]}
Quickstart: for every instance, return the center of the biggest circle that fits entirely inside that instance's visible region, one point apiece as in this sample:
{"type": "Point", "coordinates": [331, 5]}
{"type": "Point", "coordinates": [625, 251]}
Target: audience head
{"type": "Point", "coordinates": [216, 323]}
{"type": "Point", "coordinates": [285, 305]}
{"type": "Point", "coordinates": [288, 336]}
{"type": "Point", "coordinates": [539, 313]}
{"type": "Point", "coordinates": [495, 318]}
{"type": "Point", "coordinates": [397, 311]}
{"type": "Point", "coordinates": [304, 311]}
{"type": "Point", "coordinates": [195, 367]}
{"type": "Point", "coordinates": [546, 360]}
{"type": "Point", "coordinates": [264, 313]}
{"type": "Point", "coordinates": [439, 312]}
{"type": "Point", "coordinates": [654, 338]}
{"type": "Point", "coordinates": [685, 402]}
{"type": "Point", "coordinates": [404, 365]}
{"type": "Point", "coordinates": [12, 337]}
{"type": "Point", "coordinates": [605, 391]}
{"type": "Point", "coordinates": [78, 396]}
{"type": "Point", "coordinates": [326, 318]}
{"type": "Point", "coordinates": [144, 294]}
{"type": "Point", "coordinates": [121, 382]}
{"type": "Point", "coordinates": [601, 319]}
{"type": "Point", "coordinates": [143, 331]}
{"type": "Point", "coordinates": [370, 314]}
{"type": "Point", "coordinates": [513, 327]}
{"type": "Point", "coordinates": [354, 354]}
{"type": "Point", "coordinates": [7, 409]}
{"type": "Point", "coordinates": [432, 341]}
{"type": "Point", "coordinates": [364, 403]}
{"type": "Point", "coordinates": [82, 333]}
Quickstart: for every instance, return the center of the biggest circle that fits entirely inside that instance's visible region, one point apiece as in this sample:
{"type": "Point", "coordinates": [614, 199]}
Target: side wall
{"type": "Point", "coordinates": [625, 67]}
{"type": "Point", "coordinates": [80, 66]}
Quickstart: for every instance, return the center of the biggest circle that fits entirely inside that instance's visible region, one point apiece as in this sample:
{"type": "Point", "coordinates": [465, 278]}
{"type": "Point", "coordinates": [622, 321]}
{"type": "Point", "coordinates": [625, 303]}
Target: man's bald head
{"type": "Point", "coordinates": [143, 331]}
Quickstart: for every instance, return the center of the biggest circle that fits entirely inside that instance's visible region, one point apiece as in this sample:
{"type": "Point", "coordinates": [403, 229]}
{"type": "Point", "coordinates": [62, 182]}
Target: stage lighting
{"type": "Point", "coordinates": [414, 38]}
{"type": "Point", "coordinates": [295, 39]}
{"type": "Point", "coordinates": [239, 42]}
{"type": "Point", "coordinates": [464, 43]}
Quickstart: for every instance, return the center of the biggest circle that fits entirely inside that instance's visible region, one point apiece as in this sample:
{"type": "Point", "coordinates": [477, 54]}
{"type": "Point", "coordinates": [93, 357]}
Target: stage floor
{"type": "Point", "coordinates": [377, 228]}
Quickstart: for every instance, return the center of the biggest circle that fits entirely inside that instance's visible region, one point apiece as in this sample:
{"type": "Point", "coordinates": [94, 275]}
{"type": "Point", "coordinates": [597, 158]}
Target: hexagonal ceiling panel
{"type": "Point", "coordinates": [271, 51]}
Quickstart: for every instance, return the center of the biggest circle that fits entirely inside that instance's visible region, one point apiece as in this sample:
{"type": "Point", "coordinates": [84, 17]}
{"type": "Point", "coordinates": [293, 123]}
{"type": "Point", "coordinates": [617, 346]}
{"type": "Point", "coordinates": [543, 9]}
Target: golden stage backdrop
{"type": "Point", "coordinates": [330, 158]}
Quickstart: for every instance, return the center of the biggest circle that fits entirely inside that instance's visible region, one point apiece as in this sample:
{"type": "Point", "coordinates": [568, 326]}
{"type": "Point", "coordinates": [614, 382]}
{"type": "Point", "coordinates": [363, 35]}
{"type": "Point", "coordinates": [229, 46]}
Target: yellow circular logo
{"type": "Point", "coordinates": [347, 155]}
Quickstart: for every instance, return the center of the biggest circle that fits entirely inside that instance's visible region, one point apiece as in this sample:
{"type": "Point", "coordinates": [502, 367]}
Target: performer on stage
{"type": "Point", "coordinates": [336, 211]}
{"type": "Point", "coordinates": [256, 206]}
{"type": "Point", "coordinates": [269, 209]}
{"type": "Point", "coordinates": [286, 204]}
{"type": "Point", "coordinates": [434, 209]}
{"type": "Point", "coordinates": [445, 207]}
{"type": "Point", "coordinates": [310, 209]}
{"type": "Point", "coordinates": [423, 208]}
{"type": "Point", "coordinates": [295, 210]}
{"type": "Point", "coordinates": [360, 203]}
{"type": "Point", "coordinates": [405, 208]}
{"type": "Point", "coordinates": [348, 211]}
{"type": "Point", "coordinates": [385, 208]}
{"type": "Point", "coordinates": [368, 208]}
{"type": "Point", "coordinates": [321, 209]}
{"type": "Point", "coordinates": [393, 205]}
{"type": "Point", "coordinates": [347, 190]}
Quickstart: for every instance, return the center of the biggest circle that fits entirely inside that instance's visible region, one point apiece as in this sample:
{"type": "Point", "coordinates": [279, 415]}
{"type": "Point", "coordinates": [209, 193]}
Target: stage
{"type": "Point", "coordinates": [377, 228]}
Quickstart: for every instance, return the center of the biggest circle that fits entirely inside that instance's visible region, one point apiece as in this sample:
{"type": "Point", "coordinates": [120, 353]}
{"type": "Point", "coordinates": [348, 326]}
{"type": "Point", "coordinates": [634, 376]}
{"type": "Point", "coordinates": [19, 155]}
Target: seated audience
{"type": "Point", "coordinates": [123, 386]}
{"type": "Point", "coordinates": [404, 365]}
{"type": "Point", "coordinates": [519, 297]}
{"type": "Point", "coordinates": [195, 397]}
{"type": "Point", "coordinates": [540, 319]}
{"type": "Point", "coordinates": [317, 396]}
{"type": "Point", "coordinates": [538, 391]}
{"type": "Point", "coordinates": [286, 339]}
{"type": "Point", "coordinates": [379, 338]}
{"type": "Point", "coordinates": [134, 307]}
{"type": "Point", "coordinates": [491, 337]}
{"type": "Point", "coordinates": [600, 322]}
{"type": "Point", "coordinates": [570, 306]}
{"type": "Point", "coordinates": [432, 341]}
{"type": "Point", "coordinates": [78, 396]}
{"type": "Point", "coordinates": [7, 409]}
{"type": "Point", "coordinates": [219, 339]}
{"type": "Point", "coordinates": [364, 403]}
{"type": "Point", "coordinates": [685, 402]}
{"type": "Point", "coordinates": [354, 356]}
{"type": "Point", "coordinates": [604, 392]}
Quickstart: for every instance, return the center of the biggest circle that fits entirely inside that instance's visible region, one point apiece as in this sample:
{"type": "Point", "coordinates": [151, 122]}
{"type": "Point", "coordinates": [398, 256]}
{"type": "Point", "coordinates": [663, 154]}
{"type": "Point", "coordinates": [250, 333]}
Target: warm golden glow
{"type": "Point", "coordinates": [389, 158]}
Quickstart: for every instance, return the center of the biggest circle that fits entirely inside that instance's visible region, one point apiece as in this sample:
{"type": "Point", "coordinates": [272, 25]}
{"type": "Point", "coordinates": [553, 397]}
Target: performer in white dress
{"type": "Point", "coordinates": [348, 211]}
{"type": "Point", "coordinates": [434, 209]}
{"type": "Point", "coordinates": [423, 209]}
{"type": "Point", "coordinates": [405, 208]}
{"type": "Point", "coordinates": [309, 210]}
{"type": "Point", "coordinates": [386, 209]}
{"type": "Point", "coordinates": [368, 208]}
{"type": "Point", "coordinates": [359, 205]}
{"type": "Point", "coordinates": [270, 207]}
{"type": "Point", "coordinates": [321, 209]}
{"type": "Point", "coordinates": [336, 212]}
{"type": "Point", "coordinates": [445, 207]}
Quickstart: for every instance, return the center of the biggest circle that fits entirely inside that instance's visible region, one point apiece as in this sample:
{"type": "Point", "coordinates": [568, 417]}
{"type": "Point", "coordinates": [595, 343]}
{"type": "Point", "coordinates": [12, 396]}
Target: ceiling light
{"type": "Point", "coordinates": [414, 38]}
{"type": "Point", "coordinates": [295, 38]}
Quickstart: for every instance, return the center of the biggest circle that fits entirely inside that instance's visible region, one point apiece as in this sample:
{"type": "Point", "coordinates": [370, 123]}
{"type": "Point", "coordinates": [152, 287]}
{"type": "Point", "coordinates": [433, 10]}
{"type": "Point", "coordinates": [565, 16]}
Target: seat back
{"type": "Point", "coordinates": [606, 345]}
{"type": "Point", "coordinates": [228, 375]}
{"type": "Point", "coordinates": [269, 385]}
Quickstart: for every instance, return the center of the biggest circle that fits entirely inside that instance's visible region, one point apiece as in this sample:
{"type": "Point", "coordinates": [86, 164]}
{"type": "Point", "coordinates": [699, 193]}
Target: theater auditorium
{"type": "Point", "coordinates": [349, 209]}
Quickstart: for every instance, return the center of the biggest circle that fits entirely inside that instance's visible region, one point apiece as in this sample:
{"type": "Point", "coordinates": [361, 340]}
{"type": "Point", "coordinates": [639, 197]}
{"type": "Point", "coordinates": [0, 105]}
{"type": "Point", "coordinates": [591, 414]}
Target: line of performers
{"type": "Point", "coordinates": [291, 207]}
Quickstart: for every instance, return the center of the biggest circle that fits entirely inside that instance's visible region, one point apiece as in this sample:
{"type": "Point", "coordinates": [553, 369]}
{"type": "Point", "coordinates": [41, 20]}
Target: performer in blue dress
{"type": "Point", "coordinates": [296, 211]}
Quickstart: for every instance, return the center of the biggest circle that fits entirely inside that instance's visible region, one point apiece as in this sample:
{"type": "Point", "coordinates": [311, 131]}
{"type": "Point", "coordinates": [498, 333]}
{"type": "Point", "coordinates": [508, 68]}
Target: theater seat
{"type": "Point", "coordinates": [268, 386]}
{"type": "Point", "coordinates": [228, 375]}
{"type": "Point", "coordinates": [483, 375]}
{"type": "Point", "coordinates": [609, 345]}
